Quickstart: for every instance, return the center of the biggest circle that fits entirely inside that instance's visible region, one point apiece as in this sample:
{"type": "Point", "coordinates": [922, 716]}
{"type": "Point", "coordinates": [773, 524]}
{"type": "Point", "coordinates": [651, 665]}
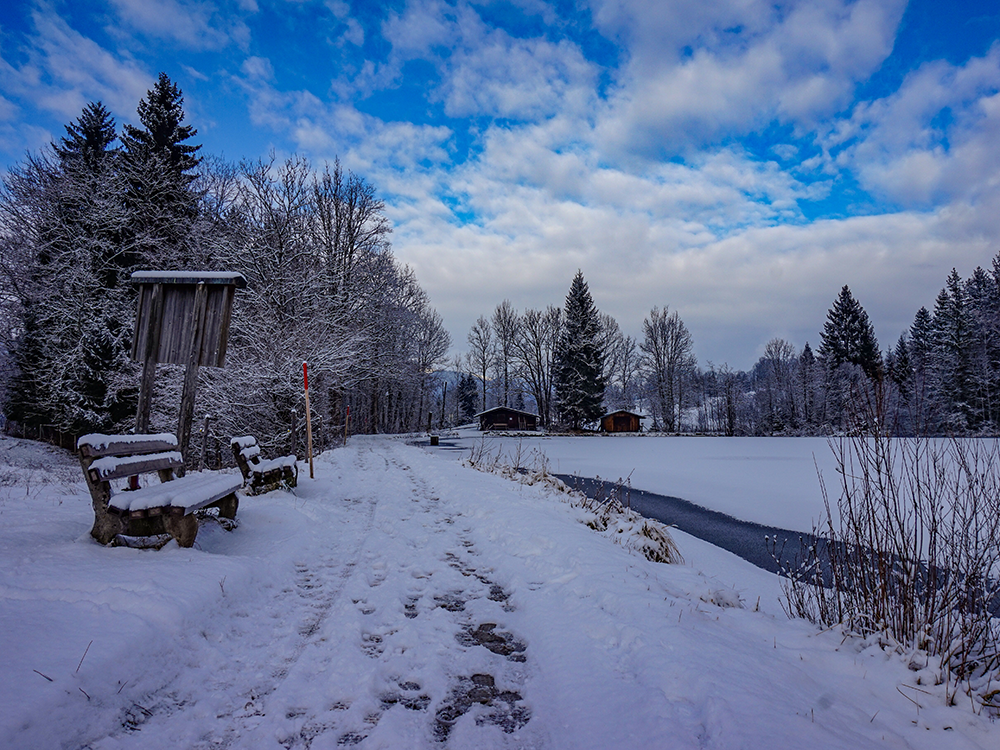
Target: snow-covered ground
{"type": "Point", "coordinates": [401, 600]}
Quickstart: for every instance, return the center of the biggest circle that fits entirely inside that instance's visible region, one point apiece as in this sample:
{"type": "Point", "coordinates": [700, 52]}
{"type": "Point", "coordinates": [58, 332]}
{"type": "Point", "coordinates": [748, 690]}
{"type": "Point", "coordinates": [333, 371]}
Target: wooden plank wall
{"type": "Point", "coordinates": [177, 325]}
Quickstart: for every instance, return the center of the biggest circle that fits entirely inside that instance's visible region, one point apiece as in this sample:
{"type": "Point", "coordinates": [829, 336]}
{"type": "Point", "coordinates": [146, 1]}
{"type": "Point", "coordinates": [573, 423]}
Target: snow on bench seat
{"type": "Point", "coordinates": [187, 494]}
{"type": "Point", "coordinates": [264, 467]}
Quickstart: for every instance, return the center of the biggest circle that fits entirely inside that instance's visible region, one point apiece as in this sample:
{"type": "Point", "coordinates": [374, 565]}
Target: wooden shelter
{"type": "Point", "coordinates": [505, 418]}
{"type": "Point", "coordinates": [621, 421]}
{"type": "Point", "coordinates": [182, 319]}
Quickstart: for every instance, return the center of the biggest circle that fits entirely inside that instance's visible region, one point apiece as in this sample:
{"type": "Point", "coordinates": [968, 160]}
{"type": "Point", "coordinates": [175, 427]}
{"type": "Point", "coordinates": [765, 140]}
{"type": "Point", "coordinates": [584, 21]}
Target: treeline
{"type": "Point", "coordinates": [323, 286]}
{"type": "Point", "coordinates": [942, 376]}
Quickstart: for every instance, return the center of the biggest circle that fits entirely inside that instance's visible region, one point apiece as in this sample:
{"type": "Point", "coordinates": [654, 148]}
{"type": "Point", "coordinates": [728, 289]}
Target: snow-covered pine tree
{"type": "Point", "coordinates": [951, 352]}
{"type": "Point", "coordinates": [158, 165]}
{"type": "Point", "coordinates": [467, 396]}
{"type": "Point", "coordinates": [579, 382]}
{"type": "Point", "coordinates": [63, 212]}
{"type": "Point", "coordinates": [922, 398]}
{"type": "Point", "coordinates": [807, 387]}
{"type": "Point", "coordinates": [899, 368]}
{"type": "Point", "coordinates": [983, 299]}
{"type": "Point", "coordinates": [848, 336]}
{"type": "Point", "coordinates": [852, 365]}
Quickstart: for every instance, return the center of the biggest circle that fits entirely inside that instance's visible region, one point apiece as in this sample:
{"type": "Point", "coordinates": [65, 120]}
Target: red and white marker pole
{"type": "Point", "coordinates": [309, 429]}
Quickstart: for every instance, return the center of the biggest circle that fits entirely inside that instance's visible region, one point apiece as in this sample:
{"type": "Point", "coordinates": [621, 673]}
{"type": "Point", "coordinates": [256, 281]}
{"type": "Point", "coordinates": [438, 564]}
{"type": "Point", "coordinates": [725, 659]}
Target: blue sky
{"type": "Point", "coordinates": [737, 160]}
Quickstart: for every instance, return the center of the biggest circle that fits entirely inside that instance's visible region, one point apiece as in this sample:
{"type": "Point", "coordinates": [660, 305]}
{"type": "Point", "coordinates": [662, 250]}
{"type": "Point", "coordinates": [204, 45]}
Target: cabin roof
{"type": "Point", "coordinates": [507, 409]}
{"type": "Point", "coordinates": [189, 277]}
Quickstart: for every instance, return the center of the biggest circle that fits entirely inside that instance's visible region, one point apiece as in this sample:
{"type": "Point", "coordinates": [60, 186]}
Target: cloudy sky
{"type": "Point", "coordinates": [737, 160]}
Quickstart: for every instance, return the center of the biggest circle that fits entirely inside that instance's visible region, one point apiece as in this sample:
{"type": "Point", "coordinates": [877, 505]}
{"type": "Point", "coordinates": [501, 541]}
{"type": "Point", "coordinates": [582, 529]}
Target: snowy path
{"type": "Point", "coordinates": [400, 600]}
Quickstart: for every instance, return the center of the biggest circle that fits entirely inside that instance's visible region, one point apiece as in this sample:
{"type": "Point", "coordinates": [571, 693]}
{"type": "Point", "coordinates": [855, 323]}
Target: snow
{"type": "Point", "coordinates": [99, 441]}
{"type": "Point", "coordinates": [191, 490]}
{"type": "Point", "coordinates": [189, 276]}
{"type": "Point", "coordinates": [108, 465]}
{"type": "Point", "coordinates": [282, 462]}
{"type": "Point", "coordinates": [357, 611]}
{"type": "Point", "coordinates": [771, 481]}
{"type": "Point", "coordinates": [250, 452]}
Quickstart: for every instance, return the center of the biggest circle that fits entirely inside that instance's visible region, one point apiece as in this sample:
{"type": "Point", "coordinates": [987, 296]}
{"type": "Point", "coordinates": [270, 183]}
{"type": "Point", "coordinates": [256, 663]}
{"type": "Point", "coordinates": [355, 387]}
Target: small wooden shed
{"type": "Point", "coordinates": [621, 421]}
{"type": "Point", "coordinates": [505, 418]}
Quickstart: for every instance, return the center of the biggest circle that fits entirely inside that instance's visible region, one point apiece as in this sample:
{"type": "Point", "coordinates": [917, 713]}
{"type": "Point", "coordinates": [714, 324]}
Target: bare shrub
{"type": "Point", "coordinates": [912, 555]}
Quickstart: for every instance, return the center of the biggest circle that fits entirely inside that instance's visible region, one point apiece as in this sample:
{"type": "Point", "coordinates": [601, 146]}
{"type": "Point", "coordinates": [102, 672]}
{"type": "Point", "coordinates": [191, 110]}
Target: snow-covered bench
{"type": "Point", "coordinates": [260, 475]}
{"type": "Point", "coordinates": [164, 507]}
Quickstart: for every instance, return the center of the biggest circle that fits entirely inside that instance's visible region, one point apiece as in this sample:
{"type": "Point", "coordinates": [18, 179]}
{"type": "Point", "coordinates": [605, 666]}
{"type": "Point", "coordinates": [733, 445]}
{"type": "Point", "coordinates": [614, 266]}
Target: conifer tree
{"type": "Point", "coordinates": [807, 385]}
{"type": "Point", "coordinates": [579, 383]}
{"type": "Point", "coordinates": [848, 336]}
{"type": "Point", "coordinates": [159, 165]}
{"type": "Point", "coordinates": [467, 396]}
{"type": "Point", "coordinates": [900, 369]}
{"type": "Point", "coordinates": [952, 343]}
{"type": "Point", "coordinates": [66, 217]}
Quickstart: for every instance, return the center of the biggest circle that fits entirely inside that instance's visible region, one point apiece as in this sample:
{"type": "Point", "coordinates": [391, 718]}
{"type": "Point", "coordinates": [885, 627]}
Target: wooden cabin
{"type": "Point", "coordinates": [505, 418]}
{"type": "Point", "coordinates": [621, 421]}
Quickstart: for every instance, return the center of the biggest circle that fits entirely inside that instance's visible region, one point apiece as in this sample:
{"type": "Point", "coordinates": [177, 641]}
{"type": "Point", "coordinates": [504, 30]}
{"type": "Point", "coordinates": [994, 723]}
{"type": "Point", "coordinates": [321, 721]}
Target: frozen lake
{"type": "Point", "coordinates": [772, 481]}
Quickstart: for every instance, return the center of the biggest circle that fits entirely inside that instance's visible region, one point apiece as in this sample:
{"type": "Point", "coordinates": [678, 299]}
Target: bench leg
{"type": "Point", "coordinates": [182, 528]}
{"type": "Point", "coordinates": [106, 525]}
{"type": "Point", "coordinates": [228, 506]}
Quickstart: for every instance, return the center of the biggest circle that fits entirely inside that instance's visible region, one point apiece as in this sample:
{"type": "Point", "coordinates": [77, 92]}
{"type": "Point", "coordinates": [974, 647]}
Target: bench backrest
{"type": "Point", "coordinates": [246, 447]}
{"type": "Point", "coordinates": [108, 457]}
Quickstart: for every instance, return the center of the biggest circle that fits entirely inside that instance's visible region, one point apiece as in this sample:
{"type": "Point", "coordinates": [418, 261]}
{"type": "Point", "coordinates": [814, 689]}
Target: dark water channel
{"type": "Point", "coordinates": [769, 547]}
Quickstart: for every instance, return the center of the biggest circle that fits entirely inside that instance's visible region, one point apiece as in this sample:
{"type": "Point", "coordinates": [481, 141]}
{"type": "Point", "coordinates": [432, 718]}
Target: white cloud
{"type": "Point", "coordinates": [258, 68]}
{"type": "Point", "coordinates": [64, 70]}
{"type": "Point", "coordinates": [485, 71]}
{"type": "Point", "coordinates": [196, 24]}
{"type": "Point", "coordinates": [932, 141]}
{"type": "Point", "coordinates": [700, 71]}
{"type": "Point", "coordinates": [325, 130]}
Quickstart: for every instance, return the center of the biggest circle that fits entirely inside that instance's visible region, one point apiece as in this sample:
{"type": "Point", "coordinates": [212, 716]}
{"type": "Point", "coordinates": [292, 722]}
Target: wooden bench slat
{"type": "Point", "coordinates": [204, 488]}
{"type": "Point", "coordinates": [108, 468]}
{"type": "Point", "coordinates": [274, 464]}
{"type": "Point", "coordinates": [96, 444]}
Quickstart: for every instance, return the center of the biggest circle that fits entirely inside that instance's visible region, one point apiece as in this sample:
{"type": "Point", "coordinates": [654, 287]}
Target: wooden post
{"type": "Point", "coordinates": [309, 433]}
{"type": "Point", "coordinates": [191, 373]}
{"type": "Point", "coordinates": [149, 364]}
{"type": "Point", "coordinates": [430, 416]}
{"type": "Point", "coordinates": [204, 443]}
{"type": "Point", "coordinates": [444, 405]}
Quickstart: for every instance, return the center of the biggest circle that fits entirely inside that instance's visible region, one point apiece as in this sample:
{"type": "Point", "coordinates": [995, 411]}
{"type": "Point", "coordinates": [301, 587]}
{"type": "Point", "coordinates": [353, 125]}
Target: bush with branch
{"type": "Point", "coordinates": [911, 555]}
